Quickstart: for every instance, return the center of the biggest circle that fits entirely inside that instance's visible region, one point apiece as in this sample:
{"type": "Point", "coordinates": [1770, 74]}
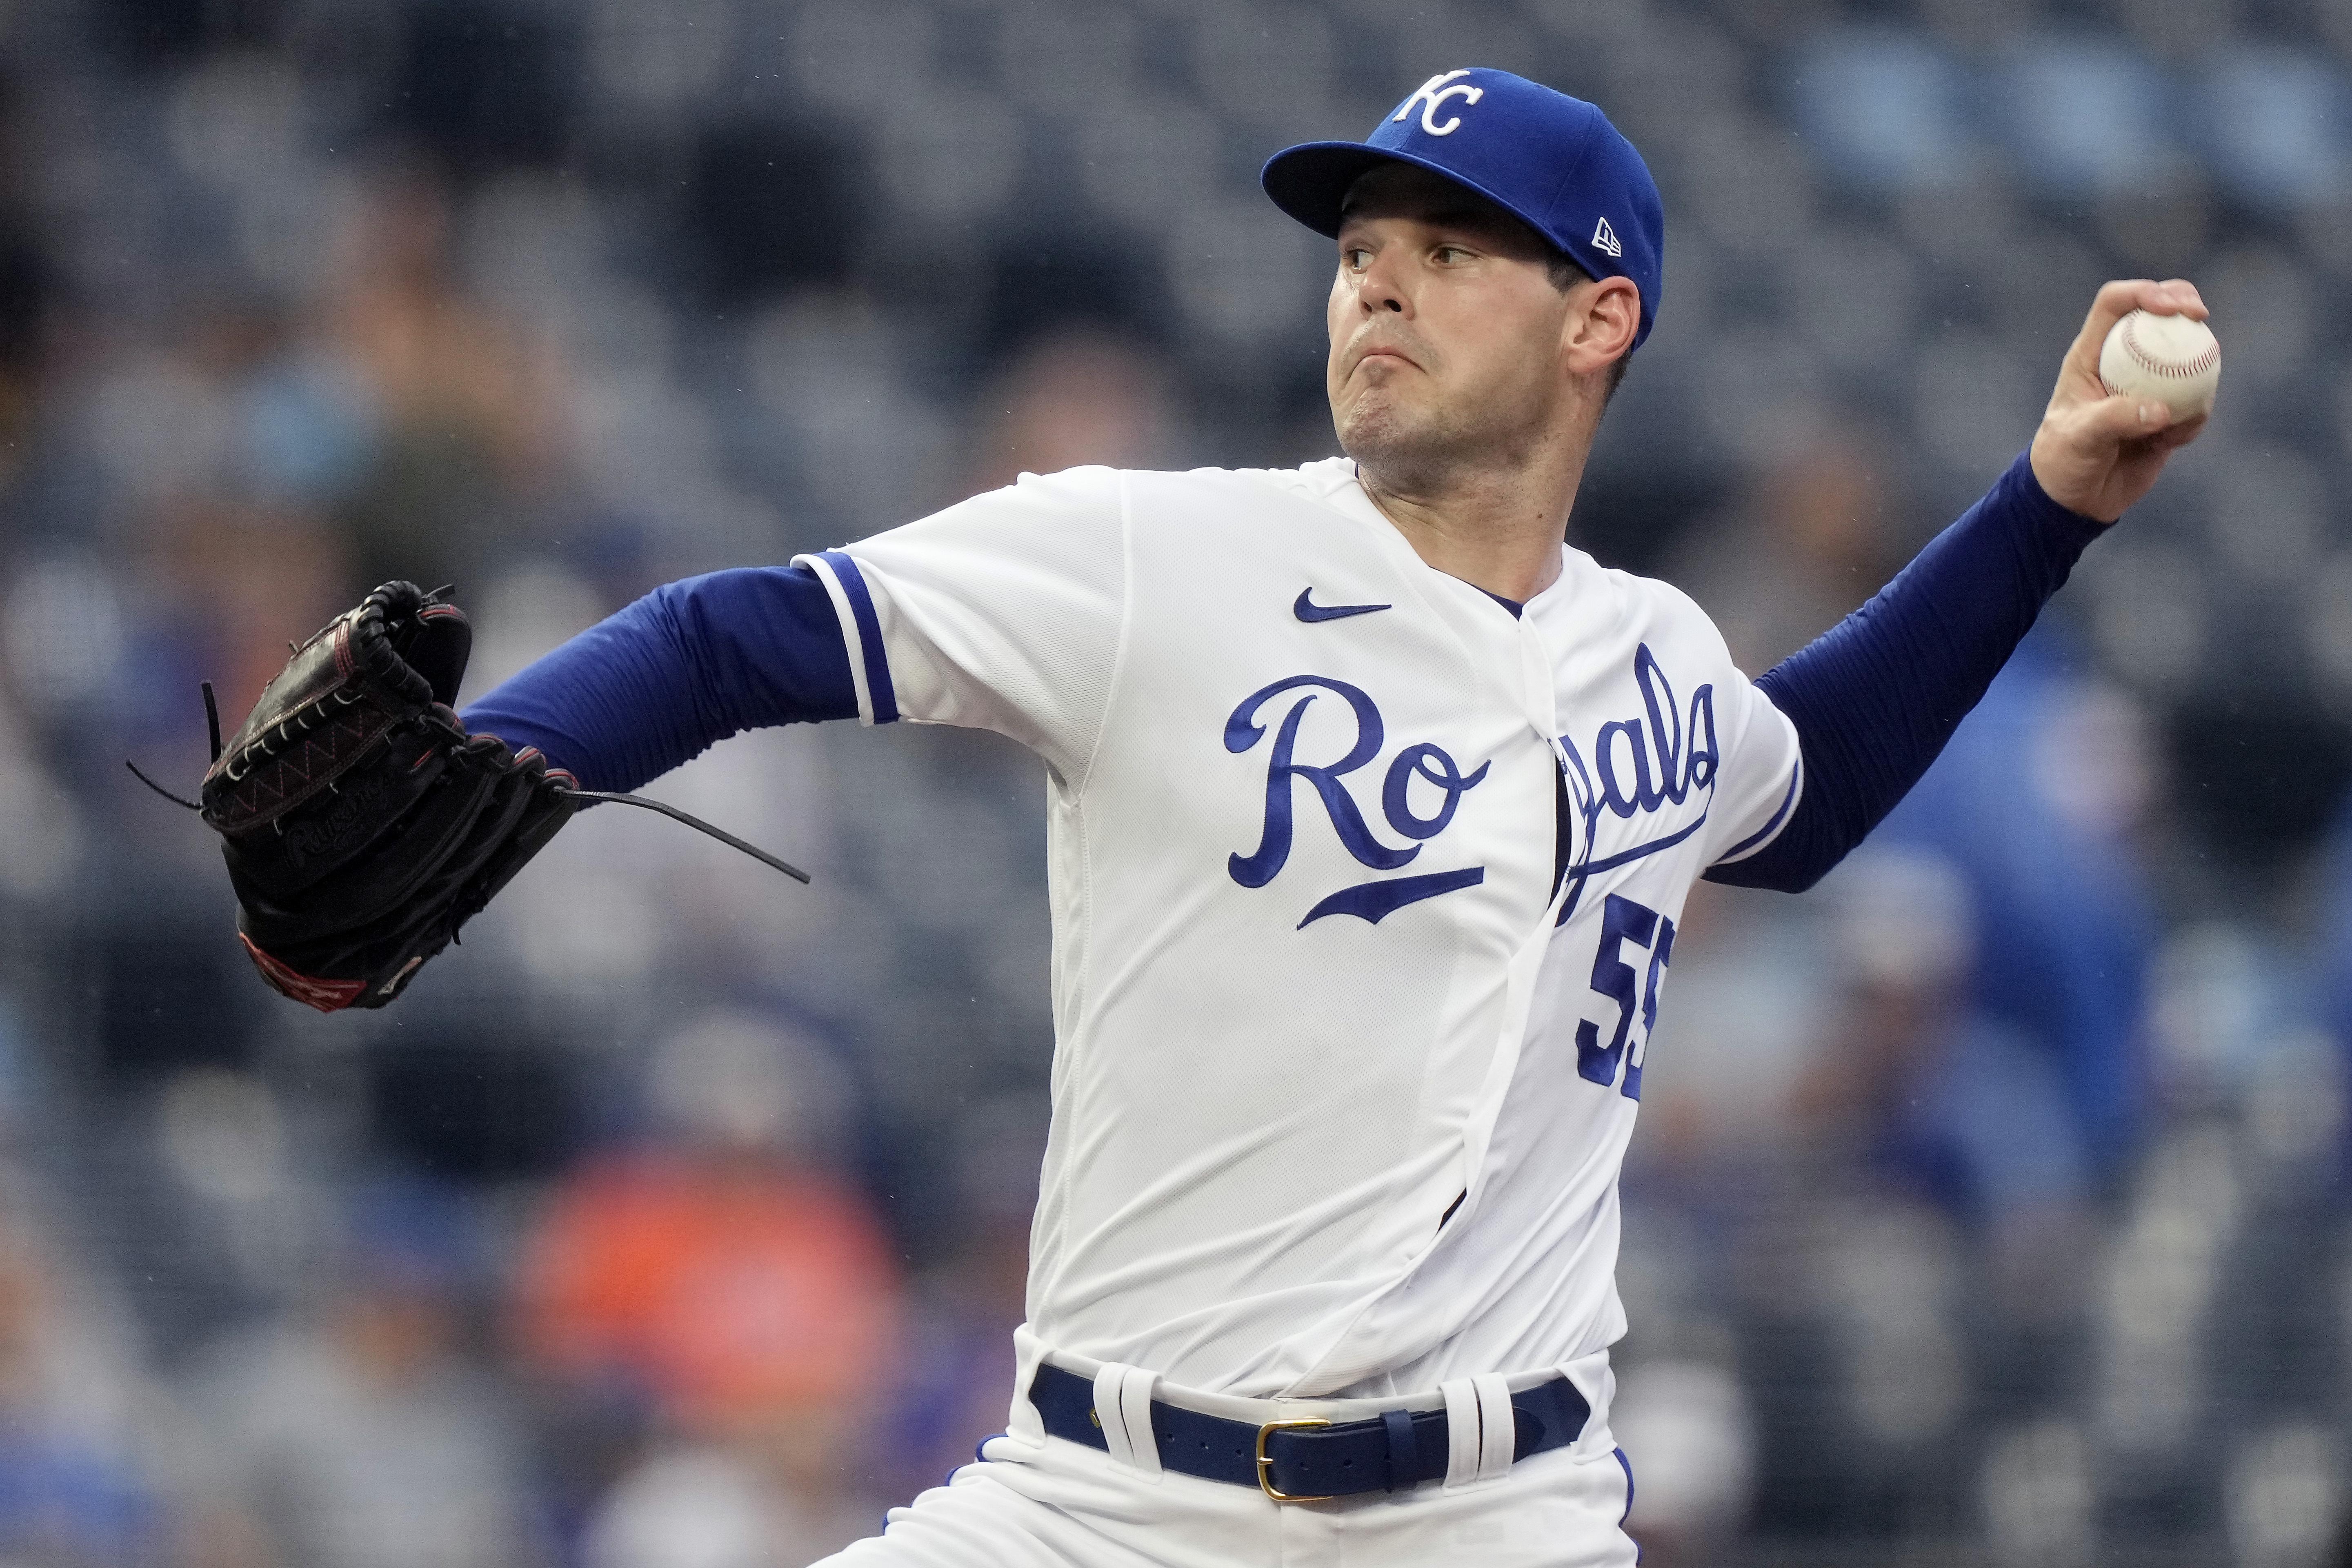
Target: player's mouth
{"type": "Point", "coordinates": [1385, 354]}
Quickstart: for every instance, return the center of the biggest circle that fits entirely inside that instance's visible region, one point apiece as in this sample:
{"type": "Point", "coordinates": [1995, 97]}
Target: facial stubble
{"type": "Point", "coordinates": [1430, 445]}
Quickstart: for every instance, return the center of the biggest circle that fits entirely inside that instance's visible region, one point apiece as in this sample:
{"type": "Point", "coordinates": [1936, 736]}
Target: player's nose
{"type": "Point", "coordinates": [1378, 288]}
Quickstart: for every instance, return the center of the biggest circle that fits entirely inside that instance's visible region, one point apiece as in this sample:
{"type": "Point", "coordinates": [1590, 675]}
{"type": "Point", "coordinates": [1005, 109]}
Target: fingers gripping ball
{"type": "Point", "coordinates": [2170, 358]}
{"type": "Point", "coordinates": [362, 825]}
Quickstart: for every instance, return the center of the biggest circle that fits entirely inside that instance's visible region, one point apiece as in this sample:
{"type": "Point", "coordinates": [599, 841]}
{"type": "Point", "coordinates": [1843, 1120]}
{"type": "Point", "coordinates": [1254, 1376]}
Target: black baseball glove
{"type": "Point", "coordinates": [362, 825]}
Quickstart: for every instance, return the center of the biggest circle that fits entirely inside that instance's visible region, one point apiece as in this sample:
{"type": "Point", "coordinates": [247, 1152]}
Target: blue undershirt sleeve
{"type": "Point", "coordinates": [1874, 698]}
{"type": "Point", "coordinates": [687, 666]}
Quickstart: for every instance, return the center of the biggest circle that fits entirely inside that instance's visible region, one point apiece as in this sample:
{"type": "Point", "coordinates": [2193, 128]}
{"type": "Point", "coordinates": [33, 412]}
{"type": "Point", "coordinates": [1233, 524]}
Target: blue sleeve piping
{"type": "Point", "coordinates": [1796, 782]}
{"type": "Point", "coordinates": [883, 695]}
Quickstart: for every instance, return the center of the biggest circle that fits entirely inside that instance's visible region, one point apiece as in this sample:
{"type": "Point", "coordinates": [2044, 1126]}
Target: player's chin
{"type": "Point", "coordinates": [1405, 448]}
{"type": "Point", "coordinates": [1368, 425]}
{"type": "Point", "coordinates": [1377, 407]}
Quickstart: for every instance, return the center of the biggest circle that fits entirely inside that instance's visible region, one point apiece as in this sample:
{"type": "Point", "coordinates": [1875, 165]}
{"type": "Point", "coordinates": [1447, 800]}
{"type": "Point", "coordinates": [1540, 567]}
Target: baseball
{"type": "Point", "coordinates": [2171, 359]}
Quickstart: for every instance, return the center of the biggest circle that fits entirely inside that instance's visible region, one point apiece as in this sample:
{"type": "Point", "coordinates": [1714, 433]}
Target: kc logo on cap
{"type": "Point", "coordinates": [1431, 96]}
{"type": "Point", "coordinates": [1552, 161]}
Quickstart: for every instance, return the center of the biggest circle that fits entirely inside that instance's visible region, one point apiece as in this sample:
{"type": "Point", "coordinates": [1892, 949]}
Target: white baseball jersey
{"type": "Point", "coordinates": [1364, 890]}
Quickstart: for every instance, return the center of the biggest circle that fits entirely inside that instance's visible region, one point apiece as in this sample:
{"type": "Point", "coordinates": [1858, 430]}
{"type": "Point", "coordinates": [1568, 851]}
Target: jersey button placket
{"type": "Point", "coordinates": [1538, 685]}
{"type": "Point", "coordinates": [1539, 700]}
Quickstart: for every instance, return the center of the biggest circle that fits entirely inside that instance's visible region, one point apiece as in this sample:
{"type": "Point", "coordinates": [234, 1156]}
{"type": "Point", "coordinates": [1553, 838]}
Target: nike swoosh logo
{"type": "Point", "coordinates": [1306, 609]}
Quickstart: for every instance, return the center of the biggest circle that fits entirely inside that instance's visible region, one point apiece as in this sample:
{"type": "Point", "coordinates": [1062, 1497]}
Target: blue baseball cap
{"type": "Point", "coordinates": [1551, 160]}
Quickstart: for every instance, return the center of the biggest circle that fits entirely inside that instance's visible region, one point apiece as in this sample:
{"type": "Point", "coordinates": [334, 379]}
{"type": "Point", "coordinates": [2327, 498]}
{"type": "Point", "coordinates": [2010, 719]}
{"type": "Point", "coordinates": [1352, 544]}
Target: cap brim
{"type": "Point", "coordinates": [1311, 181]}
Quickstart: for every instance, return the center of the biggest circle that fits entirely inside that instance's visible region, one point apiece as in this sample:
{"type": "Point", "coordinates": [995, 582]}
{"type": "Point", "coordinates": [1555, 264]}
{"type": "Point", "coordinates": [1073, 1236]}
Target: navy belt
{"type": "Point", "coordinates": [1308, 1460]}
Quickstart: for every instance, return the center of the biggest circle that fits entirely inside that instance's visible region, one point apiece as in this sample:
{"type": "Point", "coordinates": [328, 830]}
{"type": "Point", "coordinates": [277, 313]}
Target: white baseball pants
{"type": "Point", "coordinates": [1034, 1502]}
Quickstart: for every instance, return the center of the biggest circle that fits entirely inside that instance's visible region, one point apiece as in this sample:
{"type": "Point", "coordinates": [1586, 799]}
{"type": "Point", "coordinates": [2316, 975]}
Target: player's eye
{"type": "Point", "coordinates": [1450, 253]}
{"type": "Point", "coordinates": [1355, 258]}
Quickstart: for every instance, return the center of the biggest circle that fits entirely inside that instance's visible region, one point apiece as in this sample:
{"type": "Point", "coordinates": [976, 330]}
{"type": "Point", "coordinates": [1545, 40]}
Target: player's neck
{"type": "Point", "coordinates": [1497, 529]}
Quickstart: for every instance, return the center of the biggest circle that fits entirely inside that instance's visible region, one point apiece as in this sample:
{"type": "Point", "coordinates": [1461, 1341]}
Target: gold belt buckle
{"type": "Point", "coordinates": [1265, 1465]}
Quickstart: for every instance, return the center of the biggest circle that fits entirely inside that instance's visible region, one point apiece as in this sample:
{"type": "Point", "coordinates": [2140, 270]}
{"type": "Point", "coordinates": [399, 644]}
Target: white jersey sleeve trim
{"type": "Point", "coordinates": [861, 634]}
{"type": "Point", "coordinates": [1755, 842]}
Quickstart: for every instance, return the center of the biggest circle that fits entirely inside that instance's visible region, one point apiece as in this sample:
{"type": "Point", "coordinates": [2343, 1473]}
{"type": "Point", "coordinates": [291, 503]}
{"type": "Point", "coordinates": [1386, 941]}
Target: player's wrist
{"type": "Point", "coordinates": [2070, 483]}
{"type": "Point", "coordinates": [2038, 483]}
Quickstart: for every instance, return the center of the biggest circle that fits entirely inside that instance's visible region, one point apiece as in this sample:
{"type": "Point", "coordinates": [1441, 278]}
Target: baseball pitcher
{"type": "Point", "coordinates": [1373, 808]}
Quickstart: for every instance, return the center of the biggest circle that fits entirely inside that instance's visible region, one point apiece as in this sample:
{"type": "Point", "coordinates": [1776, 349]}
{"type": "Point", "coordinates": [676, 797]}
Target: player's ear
{"type": "Point", "coordinates": [1600, 327]}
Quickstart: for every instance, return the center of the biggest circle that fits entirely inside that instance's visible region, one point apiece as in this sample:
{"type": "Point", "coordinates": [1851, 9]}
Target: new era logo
{"type": "Point", "coordinates": [1605, 240]}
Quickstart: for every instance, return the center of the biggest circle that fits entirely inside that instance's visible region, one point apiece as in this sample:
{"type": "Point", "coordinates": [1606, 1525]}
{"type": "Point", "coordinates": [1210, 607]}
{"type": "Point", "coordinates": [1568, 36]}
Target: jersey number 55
{"type": "Point", "coordinates": [1621, 921]}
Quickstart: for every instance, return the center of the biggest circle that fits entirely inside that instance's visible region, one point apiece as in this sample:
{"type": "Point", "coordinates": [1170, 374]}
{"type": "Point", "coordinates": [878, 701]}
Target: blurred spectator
{"type": "Point", "coordinates": [28, 287]}
{"type": "Point", "coordinates": [776, 1501]}
{"type": "Point", "coordinates": [2084, 114]}
{"type": "Point", "coordinates": [1078, 396]}
{"type": "Point", "coordinates": [1995, 934]}
{"type": "Point", "coordinates": [249, 579]}
{"type": "Point", "coordinates": [959, 1383]}
{"type": "Point", "coordinates": [1944, 1099]}
{"type": "Point", "coordinates": [2277, 122]}
{"type": "Point", "coordinates": [1883, 106]}
{"type": "Point", "coordinates": [469, 403]}
{"type": "Point", "coordinates": [726, 1279]}
{"type": "Point", "coordinates": [2036, 804]}
{"type": "Point", "coordinates": [1685, 1422]}
{"type": "Point", "coordinates": [74, 1488]}
{"type": "Point", "coordinates": [356, 1433]}
{"type": "Point", "coordinates": [1807, 542]}
{"type": "Point", "coordinates": [2333, 956]}
{"type": "Point", "coordinates": [229, 1226]}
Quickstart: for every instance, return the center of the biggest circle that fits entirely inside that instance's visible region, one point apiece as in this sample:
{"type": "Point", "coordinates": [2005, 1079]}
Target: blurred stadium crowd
{"type": "Point", "coordinates": [1989, 1205]}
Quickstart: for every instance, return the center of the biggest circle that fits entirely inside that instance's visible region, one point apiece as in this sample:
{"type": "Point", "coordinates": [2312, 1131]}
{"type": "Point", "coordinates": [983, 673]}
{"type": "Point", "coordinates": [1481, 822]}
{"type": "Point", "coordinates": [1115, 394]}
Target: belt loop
{"type": "Point", "coordinates": [1462, 1454]}
{"type": "Point", "coordinates": [1110, 1411]}
{"type": "Point", "coordinates": [1498, 1439]}
{"type": "Point", "coordinates": [1123, 1406]}
{"type": "Point", "coordinates": [1135, 1405]}
{"type": "Point", "coordinates": [1595, 1380]}
{"type": "Point", "coordinates": [1404, 1450]}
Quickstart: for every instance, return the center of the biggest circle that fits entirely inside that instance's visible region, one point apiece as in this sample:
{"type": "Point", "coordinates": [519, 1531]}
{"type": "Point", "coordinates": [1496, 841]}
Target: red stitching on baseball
{"type": "Point", "coordinates": [2176, 372]}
